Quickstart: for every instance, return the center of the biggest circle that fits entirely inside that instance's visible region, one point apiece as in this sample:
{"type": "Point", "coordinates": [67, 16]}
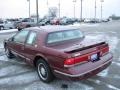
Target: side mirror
{"type": "Point", "coordinates": [11, 39]}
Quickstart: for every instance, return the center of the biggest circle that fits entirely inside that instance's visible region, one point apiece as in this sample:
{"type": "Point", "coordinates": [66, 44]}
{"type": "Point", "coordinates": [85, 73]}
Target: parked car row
{"type": "Point", "coordinates": [30, 22]}
{"type": "Point", "coordinates": [96, 20]}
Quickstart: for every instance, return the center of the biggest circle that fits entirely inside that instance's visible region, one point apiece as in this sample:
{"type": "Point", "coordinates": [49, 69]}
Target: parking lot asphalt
{"type": "Point", "coordinates": [17, 75]}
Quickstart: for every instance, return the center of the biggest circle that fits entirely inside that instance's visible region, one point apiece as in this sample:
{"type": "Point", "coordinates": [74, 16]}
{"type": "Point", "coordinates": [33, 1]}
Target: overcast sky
{"type": "Point", "coordinates": [19, 8]}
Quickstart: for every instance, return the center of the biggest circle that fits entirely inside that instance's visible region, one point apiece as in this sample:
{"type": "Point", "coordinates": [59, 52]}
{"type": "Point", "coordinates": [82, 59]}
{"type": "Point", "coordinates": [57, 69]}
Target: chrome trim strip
{"type": "Point", "coordinates": [14, 52]}
{"type": "Point", "coordinates": [70, 75]}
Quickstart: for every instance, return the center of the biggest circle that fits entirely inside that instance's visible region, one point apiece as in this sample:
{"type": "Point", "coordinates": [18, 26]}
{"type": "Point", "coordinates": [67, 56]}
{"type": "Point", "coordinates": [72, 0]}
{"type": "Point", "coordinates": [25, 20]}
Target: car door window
{"type": "Point", "coordinates": [21, 36]}
{"type": "Point", "coordinates": [31, 38]}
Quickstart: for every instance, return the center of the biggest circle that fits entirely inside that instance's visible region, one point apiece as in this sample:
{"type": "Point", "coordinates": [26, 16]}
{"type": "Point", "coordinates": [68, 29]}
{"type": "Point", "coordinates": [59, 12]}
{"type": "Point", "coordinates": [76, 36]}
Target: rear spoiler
{"type": "Point", "coordinates": [83, 48]}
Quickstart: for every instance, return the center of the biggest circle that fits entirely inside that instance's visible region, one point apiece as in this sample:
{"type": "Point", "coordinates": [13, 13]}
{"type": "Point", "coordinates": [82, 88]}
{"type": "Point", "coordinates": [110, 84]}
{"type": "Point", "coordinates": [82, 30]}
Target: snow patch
{"type": "Point", "coordinates": [108, 85]}
{"type": "Point", "coordinates": [1, 46]}
{"type": "Point", "coordinates": [104, 73]}
{"type": "Point", "coordinates": [112, 87]}
{"type": "Point", "coordinates": [111, 40]}
{"type": "Point", "coordinates": [112, 32]}
{"type": "Point", "coordinates": [13, 69]}
{"type": "Point", "coordinates": [119, 59]}
{"type": "Point", "coordinates": [84, 25]}
{"type": "Point", "coordinates": [117, 63]}
{"type": "Point", "coordinates": [116, 76]}
{"type": "Point", "coordinates": [20, 79]}
{"type": "Point", "coordinates": [82, 86]}
{"type": "Point", "coordinates": [4, 58]}
{"type": "Point", "coordinates": [95, 81]}
{"type": "Point", "coordinates": [8, 31]}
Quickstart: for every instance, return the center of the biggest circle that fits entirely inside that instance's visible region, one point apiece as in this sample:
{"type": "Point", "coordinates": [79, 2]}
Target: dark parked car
{"type": "Point", "coordinates": [60, 51]}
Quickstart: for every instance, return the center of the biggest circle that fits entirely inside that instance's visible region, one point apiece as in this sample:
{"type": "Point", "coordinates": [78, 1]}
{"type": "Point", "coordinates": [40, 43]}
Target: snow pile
{"type": "Point", "coordinates": [8, 31]}
{"type": "Point", "coordinates": [84, 25]}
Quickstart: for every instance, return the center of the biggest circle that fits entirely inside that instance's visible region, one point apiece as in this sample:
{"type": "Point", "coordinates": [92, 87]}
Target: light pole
{"type": "Point", "coordinates": [59, 8]}
{"type": "Point", "coordinates": [37, 14]}
{"type": "Point", "coordinates": [81, 10]}
{"type": "Point", "coordinates": [101, 8]}
{"type": "Point", "coordinates": [47, 6]}
{"type": "Point", "coordinates": [29, 7]}
{"type": "Point", "coordinates": [74, 1]}
{"type": "Point", "coordinates": [95, 10]}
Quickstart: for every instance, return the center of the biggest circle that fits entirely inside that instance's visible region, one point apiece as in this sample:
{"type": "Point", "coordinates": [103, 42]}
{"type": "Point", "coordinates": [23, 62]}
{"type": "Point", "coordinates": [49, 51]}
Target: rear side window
{"type": "Point", "coordinates": [31, 38]}
{"type": "Point", "coordinates": [64, 35]}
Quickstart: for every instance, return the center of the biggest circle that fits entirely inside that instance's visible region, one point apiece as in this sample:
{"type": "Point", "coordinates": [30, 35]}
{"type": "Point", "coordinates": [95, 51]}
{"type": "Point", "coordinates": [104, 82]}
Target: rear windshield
{"type": "Point", "coordinates": [63, 36]}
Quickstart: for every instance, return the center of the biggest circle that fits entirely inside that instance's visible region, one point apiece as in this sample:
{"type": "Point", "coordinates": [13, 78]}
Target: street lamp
{"type": "Point", "coordinates": [95, 10]}
{"type": "Point", "coordinates": [47, 5]}
{"type": "Point", "coordinates": [74, 1]}
{"type": "Point", "coordinates": [101, 7]}
{"type": "Point", "coordinates": [37, 14]}
{"type": "Point", "coordinates": [29, 7]}
{"type": "Point", "coordinates": [59, 8]}
{"type": "Point", "coordinates": [81, 10]}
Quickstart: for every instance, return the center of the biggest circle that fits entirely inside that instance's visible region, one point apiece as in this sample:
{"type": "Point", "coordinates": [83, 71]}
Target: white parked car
{"type": "Point", "coordinates": [6, 25]}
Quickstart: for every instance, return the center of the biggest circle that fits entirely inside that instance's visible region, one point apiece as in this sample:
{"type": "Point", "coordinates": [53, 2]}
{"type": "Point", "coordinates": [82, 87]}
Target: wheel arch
{"type": "Point", "coordinates": [38, 57]}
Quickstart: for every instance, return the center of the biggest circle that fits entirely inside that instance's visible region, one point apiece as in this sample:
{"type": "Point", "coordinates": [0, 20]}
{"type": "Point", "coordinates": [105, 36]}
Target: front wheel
{"type": "Point", "coordinates": [1, 27]}
{"type": "Point", "coordinates": [8, 53]}
{"type": "Point", "coordinates": [44, 71]}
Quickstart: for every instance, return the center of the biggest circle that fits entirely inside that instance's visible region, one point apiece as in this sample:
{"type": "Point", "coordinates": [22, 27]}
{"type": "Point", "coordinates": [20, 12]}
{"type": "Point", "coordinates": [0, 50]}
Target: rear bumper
{"type": "Point", "coordinates": [87, 70]}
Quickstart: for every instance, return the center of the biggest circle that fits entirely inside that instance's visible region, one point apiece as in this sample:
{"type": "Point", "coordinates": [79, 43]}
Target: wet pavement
{"type": "Point", "coordinates": [17, 75]}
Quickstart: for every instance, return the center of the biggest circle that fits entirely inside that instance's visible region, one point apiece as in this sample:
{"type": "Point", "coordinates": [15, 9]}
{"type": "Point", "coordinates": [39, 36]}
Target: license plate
{"type": "Point", "coordinates": [94, 57]}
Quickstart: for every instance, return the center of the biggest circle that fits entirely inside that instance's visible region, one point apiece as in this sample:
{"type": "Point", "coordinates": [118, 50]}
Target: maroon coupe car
{"type": "Point", "coordinates": [59, 51]}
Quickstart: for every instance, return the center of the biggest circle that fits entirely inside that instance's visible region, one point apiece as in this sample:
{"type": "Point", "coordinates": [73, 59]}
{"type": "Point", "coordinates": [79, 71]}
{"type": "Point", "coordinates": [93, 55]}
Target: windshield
{"type": "Point", "coordinates": [64, 35]}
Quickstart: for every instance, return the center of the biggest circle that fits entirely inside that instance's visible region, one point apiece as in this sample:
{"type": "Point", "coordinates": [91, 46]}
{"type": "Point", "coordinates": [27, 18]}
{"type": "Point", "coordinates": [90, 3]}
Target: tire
{"type": "Point", "coordinates": [19, 29]}
{"type": "Point", "coordinates": [1, 27]}
{"type": "Point", "coordinates": [28, 26]}
{"type": "Point", "coordinates": [10, 28]}
{"type": "Point", "coordinates": [44, 72]}
{"type": "Point", "coordinates": [8, 53]}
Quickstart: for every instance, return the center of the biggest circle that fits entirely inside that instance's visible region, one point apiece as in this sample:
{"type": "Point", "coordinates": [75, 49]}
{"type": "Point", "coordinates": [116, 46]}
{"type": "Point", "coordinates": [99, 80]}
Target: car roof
{"type": "Point", "coordinates": [53, 28]}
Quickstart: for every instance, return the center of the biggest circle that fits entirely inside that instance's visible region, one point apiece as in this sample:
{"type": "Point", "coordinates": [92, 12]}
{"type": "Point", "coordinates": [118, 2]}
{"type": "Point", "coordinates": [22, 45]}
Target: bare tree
{"type": "Point", "coordinates": [53, 12]}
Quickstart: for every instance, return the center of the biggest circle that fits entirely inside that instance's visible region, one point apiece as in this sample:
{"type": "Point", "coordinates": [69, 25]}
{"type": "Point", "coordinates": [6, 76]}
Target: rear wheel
{"type": "Point", "coordinates": [44, 71]}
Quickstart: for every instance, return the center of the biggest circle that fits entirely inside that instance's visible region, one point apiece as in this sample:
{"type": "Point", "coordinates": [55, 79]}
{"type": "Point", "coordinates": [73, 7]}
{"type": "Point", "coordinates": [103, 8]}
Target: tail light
{"type": "Point", "coordinates": [84, 58]}
{"type": "Point", "coordinates": [76, 60]}
{"type": "Point", "coordinates": [104, 50]}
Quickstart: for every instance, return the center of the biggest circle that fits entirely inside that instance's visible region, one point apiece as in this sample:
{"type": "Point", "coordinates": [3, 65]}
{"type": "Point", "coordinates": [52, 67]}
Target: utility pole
{"type": "Point", "coordinates": [102, 9]}
{"type": "Point", "coordinates": [37, 14]}
{"type": "Point", "coordinates": [59, 8]}
{"type": "Point", "coordinates": [95, 10]}
{"type": "Point", "coordinates": [29, 7]}
{"type": "Point", "coordinates": [74, 1]}
{"type": "Point", "coordinates": [48, 7]}
{"type": "Point", "coordinates": [81, 10]}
